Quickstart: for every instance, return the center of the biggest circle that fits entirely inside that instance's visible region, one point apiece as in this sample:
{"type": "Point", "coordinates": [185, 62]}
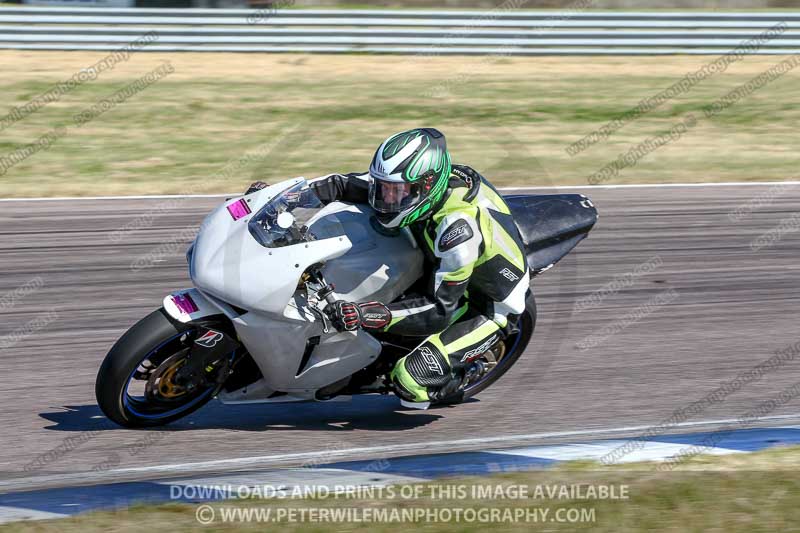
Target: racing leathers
{"type": "Point", "coordinates": [477, 277]}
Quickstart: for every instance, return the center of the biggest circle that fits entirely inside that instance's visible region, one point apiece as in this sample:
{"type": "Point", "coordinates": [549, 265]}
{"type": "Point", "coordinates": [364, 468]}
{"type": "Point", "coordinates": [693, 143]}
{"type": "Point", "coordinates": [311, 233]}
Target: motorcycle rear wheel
{"type": "Point", "coordinates": [515, 345]}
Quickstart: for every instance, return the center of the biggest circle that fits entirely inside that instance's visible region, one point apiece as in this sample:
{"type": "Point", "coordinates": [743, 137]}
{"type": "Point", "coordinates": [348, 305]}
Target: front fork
{"type": "Point", "coordinates": [212, 350]}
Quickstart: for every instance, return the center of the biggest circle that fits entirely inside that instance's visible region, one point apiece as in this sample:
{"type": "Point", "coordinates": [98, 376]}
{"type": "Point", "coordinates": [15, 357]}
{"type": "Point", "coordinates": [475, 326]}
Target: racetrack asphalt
{"type": "Point", "coordinates": [732, 308]}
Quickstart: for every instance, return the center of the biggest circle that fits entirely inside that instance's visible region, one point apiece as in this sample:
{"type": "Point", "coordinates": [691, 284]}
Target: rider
{"type": "Point", "coordinates": [478, 274]}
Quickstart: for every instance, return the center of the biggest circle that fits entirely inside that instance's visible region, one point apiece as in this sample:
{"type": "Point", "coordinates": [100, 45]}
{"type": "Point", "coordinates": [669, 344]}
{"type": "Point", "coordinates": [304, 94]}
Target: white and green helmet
{"type": "Point", "coordinates": [408, 176]}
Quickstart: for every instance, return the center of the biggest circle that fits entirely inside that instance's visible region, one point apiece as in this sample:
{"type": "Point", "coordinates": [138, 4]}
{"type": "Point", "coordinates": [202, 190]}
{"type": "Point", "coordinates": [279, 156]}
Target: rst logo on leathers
{"type": "Point", "coordinates": [209, 339]}
{"type": "Point", "coordinates": [510, 276]}
{"type": "Point", "coordinates": [431, 361]}
{"type": "Point", "coordinates": [480, 349]}
{"type": "Point", "coordinates": [458, 232]}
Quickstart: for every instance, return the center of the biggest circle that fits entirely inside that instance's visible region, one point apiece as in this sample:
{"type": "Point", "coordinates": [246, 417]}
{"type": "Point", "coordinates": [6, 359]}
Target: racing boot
{"type": "Point", "coordinates": [426, 376]}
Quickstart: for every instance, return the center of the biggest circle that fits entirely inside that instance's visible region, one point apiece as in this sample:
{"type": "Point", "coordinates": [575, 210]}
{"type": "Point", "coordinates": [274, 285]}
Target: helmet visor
{"type": "Point", "coordinates": [392, 196]}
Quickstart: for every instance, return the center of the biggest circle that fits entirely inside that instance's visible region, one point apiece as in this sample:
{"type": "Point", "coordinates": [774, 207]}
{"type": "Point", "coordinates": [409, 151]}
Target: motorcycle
{"type": "Point", "coordinates": [253, 328]}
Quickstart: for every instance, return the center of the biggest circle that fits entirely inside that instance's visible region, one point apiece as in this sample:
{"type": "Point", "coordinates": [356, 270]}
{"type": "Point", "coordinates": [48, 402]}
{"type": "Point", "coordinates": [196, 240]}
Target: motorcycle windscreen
{"type": "Point", "coordinates": [257, 265]}
{"type": "Point", "coordinates": [282, 220]}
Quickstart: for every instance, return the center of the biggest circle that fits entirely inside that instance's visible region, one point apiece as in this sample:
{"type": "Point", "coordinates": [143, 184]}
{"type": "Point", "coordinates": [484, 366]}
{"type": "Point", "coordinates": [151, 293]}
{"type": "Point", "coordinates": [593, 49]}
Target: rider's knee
{"type": "Point", "coordinates": [425, 369]}
{"type": "Point", "coordinates": [428, 365]}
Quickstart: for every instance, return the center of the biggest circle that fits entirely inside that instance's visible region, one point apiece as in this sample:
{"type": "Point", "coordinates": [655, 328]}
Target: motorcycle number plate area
{"type": "Point", "coordinates": [188, 305]}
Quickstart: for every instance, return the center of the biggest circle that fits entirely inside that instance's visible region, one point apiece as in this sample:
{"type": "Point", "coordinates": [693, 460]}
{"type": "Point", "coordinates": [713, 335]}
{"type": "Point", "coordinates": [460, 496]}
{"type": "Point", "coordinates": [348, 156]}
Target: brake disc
{"type": "Point", "coordinates": [161, 381]}
{"type": "Point", "coordinates": [486, 362]}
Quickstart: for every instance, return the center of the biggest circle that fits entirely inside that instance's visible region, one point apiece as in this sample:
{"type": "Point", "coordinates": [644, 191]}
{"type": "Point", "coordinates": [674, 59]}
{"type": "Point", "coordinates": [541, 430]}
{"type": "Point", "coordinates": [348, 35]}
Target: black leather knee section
{"type": "Point", "coordinates": [428, 366]}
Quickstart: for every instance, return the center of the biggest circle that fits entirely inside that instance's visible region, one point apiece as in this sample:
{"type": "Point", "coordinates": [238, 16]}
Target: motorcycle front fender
{"type": "Point", "coordinates": [189, 305]}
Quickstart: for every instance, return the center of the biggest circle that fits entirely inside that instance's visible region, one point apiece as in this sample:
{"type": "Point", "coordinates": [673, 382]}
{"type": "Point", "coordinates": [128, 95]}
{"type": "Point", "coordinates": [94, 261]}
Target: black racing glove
{"type": "Point", "coordinates": [328, 189]}
{"type": "Point", "coordinates": [340, 187]}
{"type": "Point", "coordinates": [349, 316]}
{"type": "Point", "coordinates": [345, 316]}
{"type": "Point", "coordinates": [256, 186]}
{"type": "Point", "coordinates": [374, 315]}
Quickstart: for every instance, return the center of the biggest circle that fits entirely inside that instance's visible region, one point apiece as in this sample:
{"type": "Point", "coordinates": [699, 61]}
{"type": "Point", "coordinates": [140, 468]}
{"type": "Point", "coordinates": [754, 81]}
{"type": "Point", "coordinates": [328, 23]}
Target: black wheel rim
{"type": "Point", "coordinates": [143, 405]}
{"type": "Point", "coordinates": [513, 343]}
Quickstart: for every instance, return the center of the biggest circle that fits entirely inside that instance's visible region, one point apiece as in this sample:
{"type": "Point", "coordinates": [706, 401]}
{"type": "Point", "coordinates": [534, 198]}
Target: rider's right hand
{"type": "Point", "coordinates": [329, 188]}
{"type": "Point", "coordinates": [256, 186]}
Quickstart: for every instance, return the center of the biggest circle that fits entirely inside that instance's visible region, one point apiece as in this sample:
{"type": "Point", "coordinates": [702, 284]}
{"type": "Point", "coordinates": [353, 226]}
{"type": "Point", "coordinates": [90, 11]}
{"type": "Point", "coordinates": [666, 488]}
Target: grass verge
{"type": "Point", "coordinates": [220, 121]}
{"type": "Point", "coordinates": [744, 492]}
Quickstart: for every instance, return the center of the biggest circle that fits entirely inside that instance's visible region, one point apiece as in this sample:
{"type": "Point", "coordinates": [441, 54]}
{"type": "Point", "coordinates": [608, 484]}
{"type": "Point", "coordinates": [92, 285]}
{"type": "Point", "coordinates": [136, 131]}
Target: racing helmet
{"type": "Point", "coordinates": [408, 176]}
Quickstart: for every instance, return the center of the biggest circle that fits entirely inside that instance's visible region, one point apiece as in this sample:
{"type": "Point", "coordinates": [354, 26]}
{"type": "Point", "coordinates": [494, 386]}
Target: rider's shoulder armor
{"type": "Point", "coordinates": [455, 225]}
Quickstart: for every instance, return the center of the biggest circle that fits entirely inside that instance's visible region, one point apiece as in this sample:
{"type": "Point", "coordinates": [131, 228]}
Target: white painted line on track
{"type": "Point", "coordinates": [524, 188]}
{"type": "Point", "coordinates": [647, 451]}
{"type": "Point", "coordinates": [289, 477]}
{"type": "Point", "coordinates": [141, 197]}
{"type": "Point", "coordinates": [13, 514]}
{"type": "Point", "coordinates": [423, 446]}
{"type": "Point", "coordinates": [473, 444]}
{"type": "Point", "coordinates": [652, 185]}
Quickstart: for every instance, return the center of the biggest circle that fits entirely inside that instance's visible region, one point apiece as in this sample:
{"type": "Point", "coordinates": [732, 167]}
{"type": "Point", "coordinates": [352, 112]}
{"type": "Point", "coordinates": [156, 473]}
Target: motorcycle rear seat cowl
{"type": "Point", "coordinates": [551, 225]}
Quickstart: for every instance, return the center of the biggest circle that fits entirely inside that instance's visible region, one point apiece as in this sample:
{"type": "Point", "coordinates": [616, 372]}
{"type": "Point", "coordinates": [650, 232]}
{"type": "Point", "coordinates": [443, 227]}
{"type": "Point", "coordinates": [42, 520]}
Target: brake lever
{"type": "Point", "coordinates": [323, 317]}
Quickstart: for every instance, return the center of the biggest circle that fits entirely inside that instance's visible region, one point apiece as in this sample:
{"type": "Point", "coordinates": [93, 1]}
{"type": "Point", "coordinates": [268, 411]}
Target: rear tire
{"type": "Point", "coordinates": [515, 346]}
{"type": "Point", "coordinates": [152, 332]}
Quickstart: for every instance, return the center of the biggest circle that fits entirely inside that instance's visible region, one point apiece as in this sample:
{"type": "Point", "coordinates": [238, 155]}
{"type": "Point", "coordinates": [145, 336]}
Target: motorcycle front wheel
{"type": "Point", "coordinates": [136, 384]}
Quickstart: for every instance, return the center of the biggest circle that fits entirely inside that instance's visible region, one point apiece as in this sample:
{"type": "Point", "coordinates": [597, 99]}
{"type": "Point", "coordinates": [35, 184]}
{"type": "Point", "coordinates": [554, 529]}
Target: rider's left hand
{"type": "Point", "coordinates": [349, 316]}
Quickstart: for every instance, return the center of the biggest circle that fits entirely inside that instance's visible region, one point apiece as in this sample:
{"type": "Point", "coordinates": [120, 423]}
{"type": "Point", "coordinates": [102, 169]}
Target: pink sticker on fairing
{"type": "Point", "coordinates": [239, 209]}
{"type": "Point", "coordinates": [184, 303]}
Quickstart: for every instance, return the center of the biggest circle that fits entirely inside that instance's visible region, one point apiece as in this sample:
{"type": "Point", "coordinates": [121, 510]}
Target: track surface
{"type": "Point", "coordinates": [734, 308]}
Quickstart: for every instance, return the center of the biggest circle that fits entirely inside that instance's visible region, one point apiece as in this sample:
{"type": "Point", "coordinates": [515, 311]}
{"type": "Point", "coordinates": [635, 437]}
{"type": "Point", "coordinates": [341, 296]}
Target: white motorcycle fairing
{"type": "Point", "coordinates": [260, 290]}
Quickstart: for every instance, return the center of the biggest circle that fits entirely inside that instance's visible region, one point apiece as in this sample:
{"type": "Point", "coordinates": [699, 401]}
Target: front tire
{"type": "Point", "coordinates": [151, 344]}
